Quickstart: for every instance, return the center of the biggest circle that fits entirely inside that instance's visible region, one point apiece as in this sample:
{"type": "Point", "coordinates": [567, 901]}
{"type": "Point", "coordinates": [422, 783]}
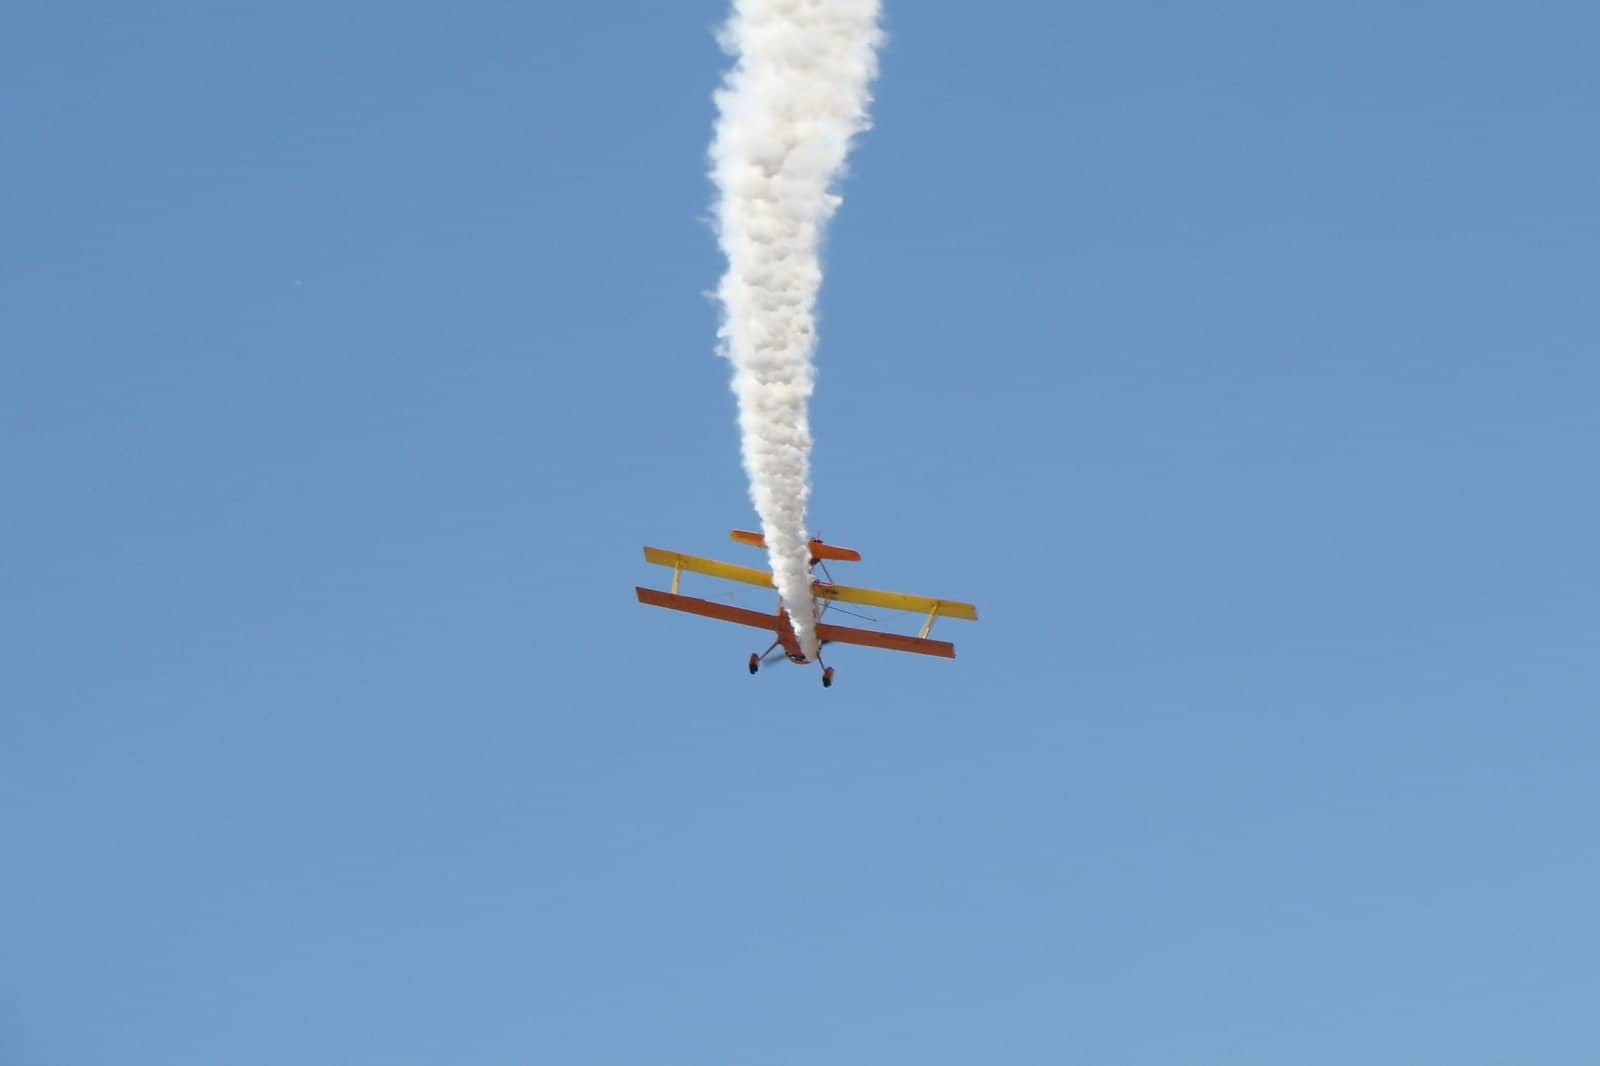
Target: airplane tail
{"type": "Point", "coordinates": [818, 549]}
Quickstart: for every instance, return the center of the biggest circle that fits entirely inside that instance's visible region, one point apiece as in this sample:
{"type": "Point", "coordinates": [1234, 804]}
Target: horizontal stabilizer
{"type": "Point", "coordinates": [818, 549]}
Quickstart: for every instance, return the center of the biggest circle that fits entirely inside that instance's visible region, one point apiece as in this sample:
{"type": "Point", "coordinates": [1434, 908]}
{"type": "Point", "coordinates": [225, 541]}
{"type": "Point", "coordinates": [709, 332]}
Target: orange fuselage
{"type": "Point", "coordinates": [784, 631]}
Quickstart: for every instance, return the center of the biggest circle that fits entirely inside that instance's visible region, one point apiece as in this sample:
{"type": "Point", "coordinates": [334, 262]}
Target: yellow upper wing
{"type": "Point", "coordinates": [897, 601]}
{"type": "Point", "coordinates": [696, 565]}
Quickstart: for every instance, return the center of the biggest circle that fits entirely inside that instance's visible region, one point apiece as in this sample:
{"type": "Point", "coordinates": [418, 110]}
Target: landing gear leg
{"type": "Point", "coordinates": [757, 656]}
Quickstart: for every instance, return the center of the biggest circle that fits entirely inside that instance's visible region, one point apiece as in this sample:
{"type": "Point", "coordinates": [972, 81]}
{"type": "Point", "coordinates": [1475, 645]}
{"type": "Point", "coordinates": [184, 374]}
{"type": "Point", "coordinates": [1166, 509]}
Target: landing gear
{"type": "Point", "coordinates": [827, 677]}
{"type": "Point", "coordinates": [758, 657]}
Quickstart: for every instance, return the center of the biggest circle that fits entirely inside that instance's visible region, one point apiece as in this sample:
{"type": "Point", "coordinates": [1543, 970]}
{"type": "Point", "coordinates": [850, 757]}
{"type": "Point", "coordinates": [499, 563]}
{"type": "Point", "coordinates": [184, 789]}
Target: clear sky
{"type": "Point", "coordinates": [1238, 360]}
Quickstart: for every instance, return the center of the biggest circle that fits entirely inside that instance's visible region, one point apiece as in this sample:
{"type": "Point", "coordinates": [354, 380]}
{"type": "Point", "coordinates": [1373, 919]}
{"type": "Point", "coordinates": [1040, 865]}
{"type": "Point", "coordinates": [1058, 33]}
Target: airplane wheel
{"type": "Point", "coordinates": [755, 662]}
{"type": "Point", "coordinates": [827, 678]}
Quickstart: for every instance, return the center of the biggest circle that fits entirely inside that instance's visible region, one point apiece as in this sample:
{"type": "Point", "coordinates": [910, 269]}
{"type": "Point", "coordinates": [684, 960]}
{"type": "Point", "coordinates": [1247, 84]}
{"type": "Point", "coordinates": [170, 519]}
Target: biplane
{"type": "Point", "coordinates": [825, 595]}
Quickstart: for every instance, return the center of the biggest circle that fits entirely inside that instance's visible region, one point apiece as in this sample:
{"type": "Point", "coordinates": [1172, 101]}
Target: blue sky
{"type": "Point", "coordinates": [1237, 361]}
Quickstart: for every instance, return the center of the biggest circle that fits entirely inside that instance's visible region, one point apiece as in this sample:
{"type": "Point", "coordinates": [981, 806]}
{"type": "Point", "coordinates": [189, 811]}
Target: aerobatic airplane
{"type": "Point", "coordinates": [824, 595]}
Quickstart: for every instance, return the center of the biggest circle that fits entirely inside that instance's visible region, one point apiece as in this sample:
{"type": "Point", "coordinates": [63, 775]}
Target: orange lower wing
{"type": "Point", "coordinates": [725, 612]}
{"type": "Point", "coordinates": [893, 641]}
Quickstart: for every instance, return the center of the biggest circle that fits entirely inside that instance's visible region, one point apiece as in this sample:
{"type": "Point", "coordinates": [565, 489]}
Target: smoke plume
{"type": "Point", "coordinates": [787, 110]}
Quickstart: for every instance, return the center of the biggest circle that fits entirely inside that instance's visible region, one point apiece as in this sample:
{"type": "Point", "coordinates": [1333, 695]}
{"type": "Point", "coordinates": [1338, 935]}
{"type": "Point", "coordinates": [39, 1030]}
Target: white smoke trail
{"type": "Point", "coordinates": [797, 94]}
